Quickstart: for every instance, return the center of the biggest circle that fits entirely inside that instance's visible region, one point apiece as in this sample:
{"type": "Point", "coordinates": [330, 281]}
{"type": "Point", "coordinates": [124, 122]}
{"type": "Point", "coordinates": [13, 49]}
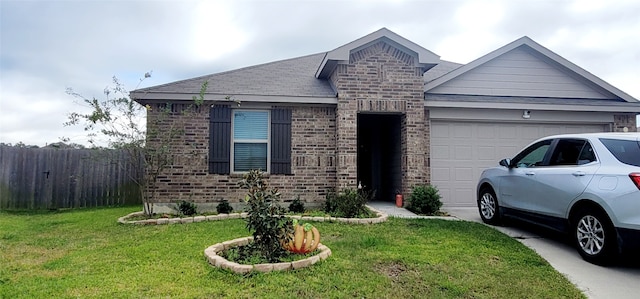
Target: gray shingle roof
{"type": "Point", "coordinates": [440, 70]}
{"type": "Point", "coordinates": [292, 77]}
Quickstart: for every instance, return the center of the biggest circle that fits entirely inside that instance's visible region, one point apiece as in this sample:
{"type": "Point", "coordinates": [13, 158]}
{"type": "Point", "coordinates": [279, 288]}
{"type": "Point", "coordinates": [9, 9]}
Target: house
{"type": "Point", "coordinates": [382, 112]}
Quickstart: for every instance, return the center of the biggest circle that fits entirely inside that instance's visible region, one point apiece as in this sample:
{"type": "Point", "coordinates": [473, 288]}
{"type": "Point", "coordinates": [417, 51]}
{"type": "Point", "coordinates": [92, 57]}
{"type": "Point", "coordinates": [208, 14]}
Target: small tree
{"type": "Point", "coordinates": [271, 229]}
{"type": "Point", "coordinates": [119, 122]}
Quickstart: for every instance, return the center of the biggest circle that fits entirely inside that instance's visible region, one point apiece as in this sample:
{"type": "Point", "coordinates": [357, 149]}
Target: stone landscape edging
{"type": "Point", "coordinates": [211, 254]}
{"type": "Point", "coordinates": [382, 217]}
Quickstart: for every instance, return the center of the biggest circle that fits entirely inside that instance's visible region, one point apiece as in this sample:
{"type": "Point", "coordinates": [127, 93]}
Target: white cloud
{"type": "Point", "coordinates": [214, 31]}
{"type": "Point", "coordinates": [47, 46]}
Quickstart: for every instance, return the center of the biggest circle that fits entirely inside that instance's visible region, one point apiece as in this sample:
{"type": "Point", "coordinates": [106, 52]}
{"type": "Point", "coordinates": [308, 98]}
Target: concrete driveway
{"type": "Point", "coordinates": [618, 281]}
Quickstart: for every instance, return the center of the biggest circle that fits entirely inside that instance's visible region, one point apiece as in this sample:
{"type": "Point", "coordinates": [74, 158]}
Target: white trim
{"type": "Point", "coordinates": [515, 116]}
{"type": "Point", "coordinates": [163, 97]}
{"type": "Point", "coordinates": [532, 106]}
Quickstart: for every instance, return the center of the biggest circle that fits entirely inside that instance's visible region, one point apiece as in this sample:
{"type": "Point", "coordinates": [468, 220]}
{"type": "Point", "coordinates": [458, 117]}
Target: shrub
{"type": "Point", "coordinates": [331, 203]}
{"type": "Point", "coordinates": [266, 218]}
{"type": "Point", "coordinates": [224, 207]}
{"type": "Point", "coordinates": [187, 208]}
{"type": "Point", "coordinates": [296, 206]}
{"type": "Point", "coordinates": [424, 200]}
{"type": "Point", "coordinates": [349, 203]}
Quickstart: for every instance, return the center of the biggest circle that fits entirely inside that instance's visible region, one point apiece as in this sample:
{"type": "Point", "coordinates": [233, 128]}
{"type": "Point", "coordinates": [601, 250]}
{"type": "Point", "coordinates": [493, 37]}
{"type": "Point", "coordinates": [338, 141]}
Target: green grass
{"type": "Point", "coordinates": [85, 253]}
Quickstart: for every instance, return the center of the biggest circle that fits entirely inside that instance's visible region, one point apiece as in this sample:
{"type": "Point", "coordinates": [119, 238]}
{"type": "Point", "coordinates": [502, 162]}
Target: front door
{"type": "Point", "coordinates": [379, 154]}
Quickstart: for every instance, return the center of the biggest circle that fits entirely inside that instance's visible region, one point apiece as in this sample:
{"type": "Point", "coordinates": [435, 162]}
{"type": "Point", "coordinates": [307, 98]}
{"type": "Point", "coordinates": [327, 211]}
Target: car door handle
{"type": "Point", "coordinates": [579, 173]}
{"type": "Point", "coordinates": [529, 173]}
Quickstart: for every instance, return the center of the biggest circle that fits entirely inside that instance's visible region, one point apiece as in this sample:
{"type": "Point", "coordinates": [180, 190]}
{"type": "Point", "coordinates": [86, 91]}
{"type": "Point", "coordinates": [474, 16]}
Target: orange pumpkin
{"type": "Point", "coordinates": [305, 239]}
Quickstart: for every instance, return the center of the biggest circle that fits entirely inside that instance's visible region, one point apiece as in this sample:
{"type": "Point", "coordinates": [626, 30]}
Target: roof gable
{"type": "Point", "coordinates": [424, 58]}
{"type": "Point", "coordinates": [524, 68]}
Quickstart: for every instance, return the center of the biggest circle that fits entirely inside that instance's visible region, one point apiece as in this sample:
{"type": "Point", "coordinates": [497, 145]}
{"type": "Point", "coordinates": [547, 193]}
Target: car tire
{"type": "Point", "coordinates": [594, 236]}
{"type": "Point", "coordinates": [488, 206]}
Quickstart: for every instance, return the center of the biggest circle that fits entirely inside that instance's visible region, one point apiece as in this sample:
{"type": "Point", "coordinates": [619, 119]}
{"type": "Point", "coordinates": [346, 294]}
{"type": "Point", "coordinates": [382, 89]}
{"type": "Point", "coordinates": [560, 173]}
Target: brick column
{"type": "Point", "coordinates": [347, 143]}
{"type": "Point", "coordinates": [622, 121]}
{"type": "Point", "coordinates": [414, 149]}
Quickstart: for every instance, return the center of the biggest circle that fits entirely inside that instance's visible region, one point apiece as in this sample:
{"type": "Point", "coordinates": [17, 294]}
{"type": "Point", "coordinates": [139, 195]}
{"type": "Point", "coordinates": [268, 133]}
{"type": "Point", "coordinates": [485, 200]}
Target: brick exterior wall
{"type": "Point", "coordinates": [621, 121]}
{"type": "Point", "coordinates": [380, 79]}
{"type": "Point", "coordinates": [427, 146]}
{"type": "Point", "coordinates": [313, 160]}
{"type": "Point", "coordinates": [377, 79]}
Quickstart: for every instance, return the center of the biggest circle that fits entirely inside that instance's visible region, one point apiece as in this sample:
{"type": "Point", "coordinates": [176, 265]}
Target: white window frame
{"type": "Point", "coordinates": [233, 140]}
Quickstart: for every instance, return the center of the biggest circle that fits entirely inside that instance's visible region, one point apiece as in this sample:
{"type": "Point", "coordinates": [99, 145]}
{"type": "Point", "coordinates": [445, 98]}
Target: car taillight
{"type": "Point", "coordinates": [635, 177]}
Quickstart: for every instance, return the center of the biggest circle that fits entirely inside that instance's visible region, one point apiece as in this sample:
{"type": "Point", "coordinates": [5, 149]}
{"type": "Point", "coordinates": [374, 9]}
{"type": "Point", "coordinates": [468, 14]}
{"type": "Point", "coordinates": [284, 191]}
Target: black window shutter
{"type": "Point", "coordinates": [220, 139]}
{"type": "Point", "coordinates": [281, 141]}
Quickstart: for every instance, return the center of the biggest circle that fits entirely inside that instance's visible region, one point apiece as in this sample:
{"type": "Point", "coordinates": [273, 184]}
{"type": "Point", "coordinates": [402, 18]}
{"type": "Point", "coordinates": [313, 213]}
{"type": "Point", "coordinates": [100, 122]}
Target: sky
{"type": "Point", "coordinates": [49, 46]}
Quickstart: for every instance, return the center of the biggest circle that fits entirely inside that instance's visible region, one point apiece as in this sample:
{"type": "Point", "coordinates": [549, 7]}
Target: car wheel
{"type": "Point", "coordinates": [595, 236]}
{"type": "Point", "coordinates": [488, 206]}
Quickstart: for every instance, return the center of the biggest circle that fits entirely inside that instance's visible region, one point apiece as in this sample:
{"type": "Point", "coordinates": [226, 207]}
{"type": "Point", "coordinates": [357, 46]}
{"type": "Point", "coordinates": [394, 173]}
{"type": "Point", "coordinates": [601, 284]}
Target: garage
{"type": "Point", "coordinates": [461, 150]}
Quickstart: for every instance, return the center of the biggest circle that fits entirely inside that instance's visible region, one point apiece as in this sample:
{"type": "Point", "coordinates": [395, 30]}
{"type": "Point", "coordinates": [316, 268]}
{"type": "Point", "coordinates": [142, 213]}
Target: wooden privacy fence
{"type": "Point", "coordinates": [53, 178]}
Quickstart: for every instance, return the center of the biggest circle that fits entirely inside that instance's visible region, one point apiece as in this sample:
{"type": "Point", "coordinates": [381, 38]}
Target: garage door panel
{"type": "Point", "coordinates": [486, 131]}
{"type": "Point", "coordinates": [441, 173]}
{"type": "Point", "coordinates": [460, 194]}
{"type": "Point", "coordinates": [463, 174]}
{"type": "Point", "coordinates": [463, 153]}
{"type": "Point", "coordinates": [530, 132]}
{"type": "Point", "coordinates": [444, 192]}
{"type": "Point", "coordinates": [457, 159]}
{"type": "Point", "coordinates": [486, 153]}
{"type": "Point", "coordinates": [440, 152]}
{"type": "Point", "coordinates": [507, 132]}
{"type": "Point", "coordinates": [553, 130]}
{"type": "Point", "coordinates": [440, 130]}
{"type": "Point", "coordinates": [462, 131]}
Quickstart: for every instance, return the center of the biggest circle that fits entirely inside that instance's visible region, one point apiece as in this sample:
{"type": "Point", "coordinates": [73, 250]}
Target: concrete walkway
{"type": "Point", "coordinates": [617, 281]}
{"type": "Point", "coordinates": [390, 209]}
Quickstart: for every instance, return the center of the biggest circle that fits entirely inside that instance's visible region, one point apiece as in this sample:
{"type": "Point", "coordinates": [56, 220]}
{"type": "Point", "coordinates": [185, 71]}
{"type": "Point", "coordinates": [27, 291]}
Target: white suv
{"type": "Point", "coordinates": [585, 184]}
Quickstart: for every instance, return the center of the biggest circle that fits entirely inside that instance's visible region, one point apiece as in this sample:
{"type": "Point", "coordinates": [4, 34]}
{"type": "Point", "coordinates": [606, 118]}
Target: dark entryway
{"type": "Point", "coordinates": [379, 154]}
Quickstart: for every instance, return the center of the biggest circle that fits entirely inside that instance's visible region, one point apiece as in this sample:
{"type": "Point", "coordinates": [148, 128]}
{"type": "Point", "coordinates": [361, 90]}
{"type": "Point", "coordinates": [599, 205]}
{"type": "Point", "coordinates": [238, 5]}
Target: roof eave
{"type": "Point", "coordinates": [533, 106]}
{"type": "Point", "coordinates": [163, 97]}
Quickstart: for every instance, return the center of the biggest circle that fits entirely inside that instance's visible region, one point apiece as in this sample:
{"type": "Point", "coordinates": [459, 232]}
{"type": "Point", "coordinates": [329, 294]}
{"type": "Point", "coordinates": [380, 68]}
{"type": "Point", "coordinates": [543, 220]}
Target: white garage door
{"type": "Point", "coordinates": [461, 150]}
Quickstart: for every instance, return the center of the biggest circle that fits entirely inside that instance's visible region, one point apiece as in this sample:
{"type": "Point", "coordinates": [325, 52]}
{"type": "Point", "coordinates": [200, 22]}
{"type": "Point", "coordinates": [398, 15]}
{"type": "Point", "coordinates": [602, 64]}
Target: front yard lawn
{"type": "Point", "coordinates": [86, 253]}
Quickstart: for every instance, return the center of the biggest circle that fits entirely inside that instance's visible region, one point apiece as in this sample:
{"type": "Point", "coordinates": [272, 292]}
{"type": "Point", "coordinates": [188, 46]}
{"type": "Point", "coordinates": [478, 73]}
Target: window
{"type": "Point", "coordinates": [626, 151]}
{"type": "Point", "coordinates": [572, 152]}
{"type": "Point", "coordinates": [533, 155]}
{"type": "Point", "coordinates": [240, 140]}
{"type": "Point", "coordinates": [586, 155]}
{"type": "Point", "coordinates": [250, 140]}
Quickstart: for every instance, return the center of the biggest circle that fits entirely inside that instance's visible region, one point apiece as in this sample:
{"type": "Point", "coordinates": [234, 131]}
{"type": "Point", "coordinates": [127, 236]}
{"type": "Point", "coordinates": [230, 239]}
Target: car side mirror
{"type": "Point", "coordinates": [506, 163]}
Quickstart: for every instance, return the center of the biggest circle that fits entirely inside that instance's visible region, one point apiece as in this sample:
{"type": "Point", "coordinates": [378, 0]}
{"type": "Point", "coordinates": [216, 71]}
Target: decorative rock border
{"type": "Point", "coordinates": [177, 220]}
{"type": "Point", "coordinates": [211, 254]}
{"type": "Point", "coordinates": [382, 217]}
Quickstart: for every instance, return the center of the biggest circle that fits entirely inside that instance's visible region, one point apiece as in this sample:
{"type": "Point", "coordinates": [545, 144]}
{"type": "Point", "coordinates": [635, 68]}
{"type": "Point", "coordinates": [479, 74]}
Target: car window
{"type": "Point", "coordinates": [533, 155]}
{"type": "Point", "coordinates": [586, 155]}
{"type": "Point", "coordinates": [569, 152]}
{"type": "Point", "coordinates": [626, 151]}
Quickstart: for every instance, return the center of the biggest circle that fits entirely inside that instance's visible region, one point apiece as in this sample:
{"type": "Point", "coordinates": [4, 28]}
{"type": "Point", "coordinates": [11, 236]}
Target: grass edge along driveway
{"type": "Point", "coordinates": [86, 253]}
